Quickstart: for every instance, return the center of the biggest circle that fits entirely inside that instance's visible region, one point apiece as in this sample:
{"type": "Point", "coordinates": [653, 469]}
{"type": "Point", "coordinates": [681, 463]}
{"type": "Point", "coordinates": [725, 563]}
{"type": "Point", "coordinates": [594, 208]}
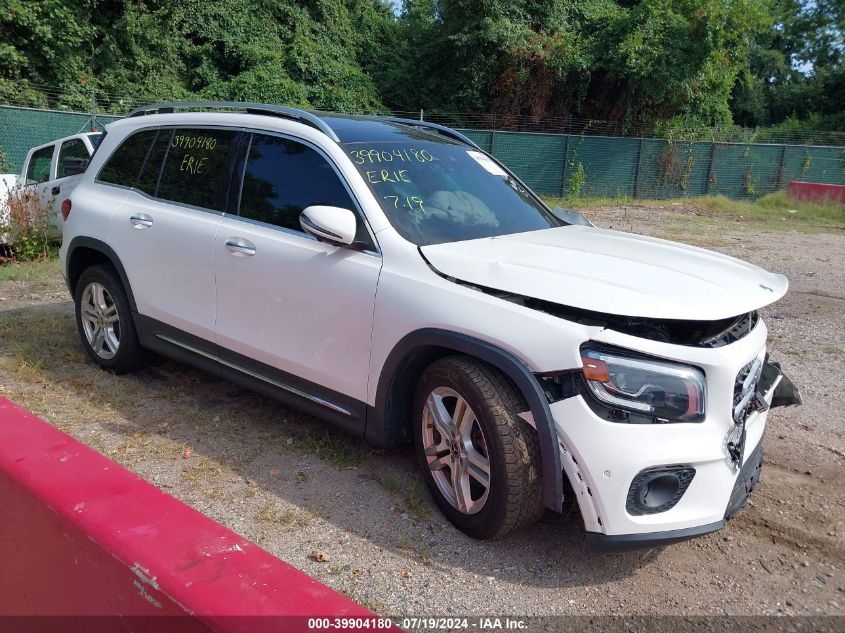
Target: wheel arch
{"type": "Point", "coordinates": [84, 252]}
{"type": "Point", "coordinates": [388, 422]}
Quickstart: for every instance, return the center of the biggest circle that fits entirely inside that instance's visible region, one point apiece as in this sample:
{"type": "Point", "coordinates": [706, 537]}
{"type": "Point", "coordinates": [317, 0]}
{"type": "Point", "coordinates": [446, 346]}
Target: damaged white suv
{"type": "Point", "coordinates": [390, 277]}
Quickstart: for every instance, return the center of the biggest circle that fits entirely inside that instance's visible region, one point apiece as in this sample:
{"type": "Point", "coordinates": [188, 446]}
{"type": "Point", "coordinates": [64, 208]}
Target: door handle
{"type": "Point", "coordinates": [56, 190]}
{"type": "Point", "coordinates": [140, 221]}
{"type": "Point", "coordinates": [240, 247]}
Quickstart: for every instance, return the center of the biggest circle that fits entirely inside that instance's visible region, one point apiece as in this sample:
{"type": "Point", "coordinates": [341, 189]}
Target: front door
{"type": "Point", "coordinates": [296, 310]}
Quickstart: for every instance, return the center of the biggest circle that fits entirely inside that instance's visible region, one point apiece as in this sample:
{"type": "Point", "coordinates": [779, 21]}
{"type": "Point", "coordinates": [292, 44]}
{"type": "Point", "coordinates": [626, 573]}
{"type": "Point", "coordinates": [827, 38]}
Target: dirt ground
{"type": "Point", "coordinates": [286, 482]}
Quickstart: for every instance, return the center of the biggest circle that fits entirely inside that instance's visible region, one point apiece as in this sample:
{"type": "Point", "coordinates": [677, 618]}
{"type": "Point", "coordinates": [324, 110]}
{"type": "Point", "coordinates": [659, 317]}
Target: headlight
{"type": "Point", "coordinates": [657, 390]}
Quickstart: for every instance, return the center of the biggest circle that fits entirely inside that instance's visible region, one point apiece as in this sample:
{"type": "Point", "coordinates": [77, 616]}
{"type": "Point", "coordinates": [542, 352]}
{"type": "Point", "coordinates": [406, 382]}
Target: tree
{"type": "Point", "coordinates": [795, 68]}
{"type": "Point", "coordinates": [636, 62]}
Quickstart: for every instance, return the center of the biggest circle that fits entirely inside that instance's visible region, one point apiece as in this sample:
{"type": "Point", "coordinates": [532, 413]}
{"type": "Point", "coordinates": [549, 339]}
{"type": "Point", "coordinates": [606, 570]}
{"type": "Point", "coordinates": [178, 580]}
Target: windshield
{"type": "Point", "coordinates": [437, 191]}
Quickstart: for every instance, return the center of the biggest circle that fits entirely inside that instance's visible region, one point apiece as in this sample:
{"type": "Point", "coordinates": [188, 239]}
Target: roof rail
{"type": "Point", "coordinates": [439, 129]}
{"type": "Point", "coordinates": [295, 114]}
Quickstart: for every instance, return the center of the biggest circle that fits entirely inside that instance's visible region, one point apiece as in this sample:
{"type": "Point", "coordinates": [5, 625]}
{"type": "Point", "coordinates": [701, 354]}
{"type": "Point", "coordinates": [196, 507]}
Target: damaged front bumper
{"type": "Point", "coordinates": [611, 465]}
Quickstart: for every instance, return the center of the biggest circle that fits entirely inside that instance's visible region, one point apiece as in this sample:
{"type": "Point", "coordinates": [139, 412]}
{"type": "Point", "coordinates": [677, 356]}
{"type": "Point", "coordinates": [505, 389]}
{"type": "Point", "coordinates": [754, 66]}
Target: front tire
{"type": "Point", "coordinates": [479, 459]}
{"type": "Point", "coordinates": [104, 321]}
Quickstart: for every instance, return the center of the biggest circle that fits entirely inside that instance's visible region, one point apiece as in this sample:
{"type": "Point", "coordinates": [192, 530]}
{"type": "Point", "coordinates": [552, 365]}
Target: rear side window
{"type": "Point", "coordinates": [196, 167]}
{"type": "Point", "coordinates": [284, 177]}
{"type": "Point", "coordinates": [39, 165]}
{"type": "Point", "coordinates": [72, 156]}
{"type": "Point", "coordinates": [123, 165]}
{"type": "Point", "coordinates": [148, 180]}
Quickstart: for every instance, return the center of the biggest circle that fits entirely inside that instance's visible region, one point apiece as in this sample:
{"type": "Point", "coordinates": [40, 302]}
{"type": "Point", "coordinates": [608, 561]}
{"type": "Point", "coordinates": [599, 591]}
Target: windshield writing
{"type": "Point", "coordinates": [434, 192]}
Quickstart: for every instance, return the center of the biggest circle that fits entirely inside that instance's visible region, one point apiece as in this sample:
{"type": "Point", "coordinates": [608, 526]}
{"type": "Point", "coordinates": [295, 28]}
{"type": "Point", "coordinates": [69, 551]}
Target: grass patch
{"type": "Point", "coordinates": [37, 271]}
{"type": "Point", "coordinates": [775, 211]}
{"type": "Point", "coordinates": [586, 203]}
{"type": "Point", "coordinates": [327, 446]}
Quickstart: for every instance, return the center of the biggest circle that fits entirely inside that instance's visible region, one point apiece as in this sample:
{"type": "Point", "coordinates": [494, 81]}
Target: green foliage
{"type": "Point", "coordinates": [794, 71]}
{"type": "Point", "coordinates": [28, 225]}
{"type": "Point", "coordinates": [308, 54]}
{"type": "Point", "coordinates": [671, 65]}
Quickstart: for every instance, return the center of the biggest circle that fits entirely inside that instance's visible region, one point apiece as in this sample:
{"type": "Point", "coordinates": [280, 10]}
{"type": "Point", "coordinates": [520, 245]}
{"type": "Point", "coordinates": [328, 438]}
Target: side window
{"type": "Point", "coordinates": [72, 156]}
{"type": "Point", "coordinates": [123, 165]}
{"type": "Point", "coordinates": [196, 167]}
{"type": "Point", "coordinates": [39, 165]}
{"type": "Point", "coordinates": [148, 180]}
{"type": "Point", "coordinates": [284, 177]}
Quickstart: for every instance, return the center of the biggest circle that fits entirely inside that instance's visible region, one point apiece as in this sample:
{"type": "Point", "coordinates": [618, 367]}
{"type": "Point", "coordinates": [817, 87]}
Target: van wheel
{"type": "Point", "coordinates": [105, 321]}
{"type": "Point", "coordinates": [480, 461]}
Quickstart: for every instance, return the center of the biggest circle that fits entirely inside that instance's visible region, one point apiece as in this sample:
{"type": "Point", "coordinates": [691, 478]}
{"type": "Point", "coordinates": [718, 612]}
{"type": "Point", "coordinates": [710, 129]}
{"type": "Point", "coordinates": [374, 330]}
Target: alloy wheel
{"type": "Point", "coordinates": [456, 450]}
{"type": "Point", "coordinates": [100, 320]}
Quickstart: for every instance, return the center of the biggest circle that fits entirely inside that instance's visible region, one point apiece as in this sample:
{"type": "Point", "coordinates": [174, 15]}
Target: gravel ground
{"type": "Point", "coordinates": [282, 480]}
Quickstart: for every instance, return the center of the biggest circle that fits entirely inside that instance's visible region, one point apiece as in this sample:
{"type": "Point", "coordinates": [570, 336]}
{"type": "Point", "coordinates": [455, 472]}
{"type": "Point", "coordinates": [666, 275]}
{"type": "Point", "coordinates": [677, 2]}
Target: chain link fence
{"type": "Point", "coordinates": [555, 164]}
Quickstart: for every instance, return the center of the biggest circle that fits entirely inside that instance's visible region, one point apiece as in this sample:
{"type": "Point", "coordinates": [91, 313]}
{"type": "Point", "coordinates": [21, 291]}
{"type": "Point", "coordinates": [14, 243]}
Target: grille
{"type": "Point", "coordinates": [744, 401]}
{"type": "Point", "coordinates": [745, 387]}
{"type": "Point", "coordinates": [737, 330]}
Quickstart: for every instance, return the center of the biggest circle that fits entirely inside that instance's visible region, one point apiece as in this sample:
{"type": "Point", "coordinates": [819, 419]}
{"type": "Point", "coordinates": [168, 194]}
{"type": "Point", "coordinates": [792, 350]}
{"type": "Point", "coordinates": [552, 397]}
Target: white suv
{"type": "Point", "coordinates": [388, 276]}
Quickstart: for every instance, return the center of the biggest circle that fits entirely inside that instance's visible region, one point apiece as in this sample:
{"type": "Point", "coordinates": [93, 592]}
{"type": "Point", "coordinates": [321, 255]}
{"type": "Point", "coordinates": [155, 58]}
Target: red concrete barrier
{"type": "Point", "coordinates": [82, 536]}
{"type": "Point", "coordinates": [816, 192]}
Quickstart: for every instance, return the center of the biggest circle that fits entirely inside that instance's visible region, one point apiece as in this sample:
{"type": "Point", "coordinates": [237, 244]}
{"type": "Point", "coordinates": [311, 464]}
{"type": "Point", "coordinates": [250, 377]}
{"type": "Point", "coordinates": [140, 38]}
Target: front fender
{"type": "Point", "coordinates": [382, 426]}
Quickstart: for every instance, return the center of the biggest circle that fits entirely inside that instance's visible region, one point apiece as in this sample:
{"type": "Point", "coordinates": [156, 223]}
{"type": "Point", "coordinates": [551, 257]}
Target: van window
{"type": "Point", "coordinates": [72, 152]}
{"type": "Point", "coordinates": [284, 177]}
{"type": "Point", "coordinates": [39, 165]}
{"type": "Point", "coordinates": [196, 167]}
{"type": "Point", "coordinates": [123, 165]}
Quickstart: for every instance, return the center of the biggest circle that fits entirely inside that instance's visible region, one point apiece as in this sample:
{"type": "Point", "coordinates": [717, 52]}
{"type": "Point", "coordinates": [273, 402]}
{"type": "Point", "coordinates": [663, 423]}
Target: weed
{"type": "Point", "coordinates": [388, 480]}
{"type": "Point", "coordinates": [748, 182]}
{"type": "Point", "coordinates": [425, 554]}
{"type": "Point", "coordinates": [416, 499]}
{"type": "Point", "coordinates": [28, 226]}
{"type": "Point", "coordinates": [327, 446]}
{"type": "Point", "coordinates": [577, 181]}
{"type": "Point", "coordinates": [204, 470]}
{"type": "Point", "coordinates": [287, 518]}
{"type": "Point", "coordinates": [408, 487]}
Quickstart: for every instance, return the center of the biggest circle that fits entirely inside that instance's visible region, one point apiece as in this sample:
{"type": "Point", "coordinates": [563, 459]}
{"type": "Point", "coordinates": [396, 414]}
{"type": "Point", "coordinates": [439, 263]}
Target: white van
{"type": "Point", "coordinates": [54, 169]}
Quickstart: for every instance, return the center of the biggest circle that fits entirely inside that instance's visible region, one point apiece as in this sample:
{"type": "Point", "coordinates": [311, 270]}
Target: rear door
{"type": "Point", "coordinates": [164, 231]}
{"type": "Point", "coordinates": [38, 172]}
{"type": "Point", "coordinates": [72, 157]}
{"type": "Point", "coordinates": [295, 311]}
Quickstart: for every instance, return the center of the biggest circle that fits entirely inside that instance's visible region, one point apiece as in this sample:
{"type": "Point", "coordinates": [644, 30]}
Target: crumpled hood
{"type": "Point", "coordinates": [611, 272]}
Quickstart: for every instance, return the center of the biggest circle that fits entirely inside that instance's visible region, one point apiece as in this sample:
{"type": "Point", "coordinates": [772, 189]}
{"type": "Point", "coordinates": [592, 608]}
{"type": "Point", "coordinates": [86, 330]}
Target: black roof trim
{"type": "Point", "coordinates": [427, 126]}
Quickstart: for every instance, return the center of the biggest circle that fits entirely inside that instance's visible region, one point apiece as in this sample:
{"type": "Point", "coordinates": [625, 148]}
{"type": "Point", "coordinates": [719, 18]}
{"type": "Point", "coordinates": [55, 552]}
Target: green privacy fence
{"type": "Point", "coordinates": [557, 164]}
{"type": "Point", "coordinates": [614, 166]}
{"type": "Point", "coordinates": [24, 128]}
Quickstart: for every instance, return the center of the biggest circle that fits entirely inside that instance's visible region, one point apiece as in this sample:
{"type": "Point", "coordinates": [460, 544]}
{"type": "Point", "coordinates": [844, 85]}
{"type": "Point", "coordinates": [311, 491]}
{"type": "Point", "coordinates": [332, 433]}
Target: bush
{"type": "Point", "coordinates": [25, 225]}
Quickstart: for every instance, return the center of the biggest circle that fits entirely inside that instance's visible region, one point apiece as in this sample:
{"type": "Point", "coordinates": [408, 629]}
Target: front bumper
{"type": "Point", "coordinates": [601, 459]}
{"type": "Point", "coordinates": [746, 482]}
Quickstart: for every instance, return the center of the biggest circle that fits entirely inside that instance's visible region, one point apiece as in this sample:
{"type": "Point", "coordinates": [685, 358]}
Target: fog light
{"type": "Point", "coordinates": [658, 489]}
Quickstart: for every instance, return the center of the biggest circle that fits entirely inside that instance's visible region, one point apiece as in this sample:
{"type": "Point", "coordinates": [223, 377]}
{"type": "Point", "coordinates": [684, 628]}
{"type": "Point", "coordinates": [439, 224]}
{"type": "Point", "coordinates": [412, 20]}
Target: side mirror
{"type": "Point", "coordinates": [329, 224]}
{"type": "Point", "coordinates": [571, 217]}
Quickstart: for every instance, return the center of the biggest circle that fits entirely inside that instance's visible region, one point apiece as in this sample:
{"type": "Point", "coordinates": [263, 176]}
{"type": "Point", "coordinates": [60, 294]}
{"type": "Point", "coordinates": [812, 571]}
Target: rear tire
{"type": "Point", "coordinates": [480, 460]}
{"type": "Point", "coordinates": [104, 320]}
